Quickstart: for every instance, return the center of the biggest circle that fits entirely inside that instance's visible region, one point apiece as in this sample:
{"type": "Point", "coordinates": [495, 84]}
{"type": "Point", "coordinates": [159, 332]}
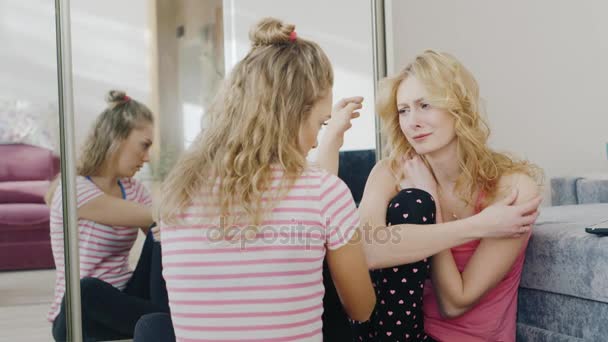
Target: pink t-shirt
{"type": "Point", "coordinates": [103, 250]}
{"type": "Point", "coordinates": [268, 287]}
{"type": "Point", "coordinates": [492, 319]}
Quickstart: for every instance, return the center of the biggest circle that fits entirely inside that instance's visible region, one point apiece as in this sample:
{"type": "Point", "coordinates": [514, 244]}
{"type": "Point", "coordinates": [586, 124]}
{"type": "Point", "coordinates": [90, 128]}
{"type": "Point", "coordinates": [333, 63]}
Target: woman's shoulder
{"type": "Point", "coordinates": [136, 190]}
{"type": "Point", "coordinates": [516, 179]}
{"type": "Point", "coordinates": [524, 183]}
{"type": "Point", "coordinates": [382, 173]}
{"type": "Point", "coordinates": [84, 185]}
{"type": "Point", "coordinates": [319, 177]}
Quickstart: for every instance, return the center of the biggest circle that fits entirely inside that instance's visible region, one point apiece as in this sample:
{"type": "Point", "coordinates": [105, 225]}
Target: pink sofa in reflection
{"type": "Point", "coordinates": [25, 174]}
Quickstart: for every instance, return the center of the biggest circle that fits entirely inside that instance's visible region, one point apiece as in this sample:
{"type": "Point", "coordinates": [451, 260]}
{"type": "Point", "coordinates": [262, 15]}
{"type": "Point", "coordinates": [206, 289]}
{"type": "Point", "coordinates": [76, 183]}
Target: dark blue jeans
{"type": "Point", "coordinates": [111, 314]}
{"type": "Point", "coordinates": [156, 327]}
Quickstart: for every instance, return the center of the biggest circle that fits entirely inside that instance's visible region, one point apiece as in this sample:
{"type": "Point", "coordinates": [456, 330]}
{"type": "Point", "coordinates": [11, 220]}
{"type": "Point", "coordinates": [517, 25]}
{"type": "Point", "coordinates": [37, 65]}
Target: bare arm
{"type": "Point", "coordinates": [351, 277]}
{"type": "Point", "coordinates": [344, 111]}
{"type": "Point", "coordinates": [458, 292]}
{"type": "Point", "coordinates": [328, 156]}
{"type": "Point", "coordinates": [113, 211]}
{"type": "Point", "coordinates": [407, 242]}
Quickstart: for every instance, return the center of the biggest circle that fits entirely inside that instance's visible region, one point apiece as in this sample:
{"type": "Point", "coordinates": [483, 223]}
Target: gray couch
{"type": "Point", "coordinates": [564, 287]}
{"type": "Point", "coordinates": [578, 190]}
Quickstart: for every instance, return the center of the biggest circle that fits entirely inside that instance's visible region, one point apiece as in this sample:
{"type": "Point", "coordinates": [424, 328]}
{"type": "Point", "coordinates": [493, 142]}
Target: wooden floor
{"type": "Point", "coordinates": [25, 299]}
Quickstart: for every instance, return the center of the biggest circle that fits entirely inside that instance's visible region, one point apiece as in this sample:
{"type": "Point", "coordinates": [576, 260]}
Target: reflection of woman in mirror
{"type": "Point", "coordinates": [246, 221]}
{"type": "Point", "coordinates": [112, 207]}
{"type": "Point", "coordinates": [444, 193]}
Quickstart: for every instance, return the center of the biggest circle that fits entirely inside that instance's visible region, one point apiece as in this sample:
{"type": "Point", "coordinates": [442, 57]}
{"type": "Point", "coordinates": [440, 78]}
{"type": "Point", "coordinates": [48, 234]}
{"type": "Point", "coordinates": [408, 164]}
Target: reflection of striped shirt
{"type": "Point", "coordinates": [267, 286]}
{"type": "Point", "coordinates": [104, 250]}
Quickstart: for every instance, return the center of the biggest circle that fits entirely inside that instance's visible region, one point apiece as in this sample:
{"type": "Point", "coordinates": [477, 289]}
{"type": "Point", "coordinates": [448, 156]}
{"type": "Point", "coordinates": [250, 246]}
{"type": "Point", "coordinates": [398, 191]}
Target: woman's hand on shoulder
{"type": "Point", "coordinates": [513, 214]}
{"type": "Point", "coordinates": [418, 175]}
{"type": "Point", "coordinates": [380, 187]}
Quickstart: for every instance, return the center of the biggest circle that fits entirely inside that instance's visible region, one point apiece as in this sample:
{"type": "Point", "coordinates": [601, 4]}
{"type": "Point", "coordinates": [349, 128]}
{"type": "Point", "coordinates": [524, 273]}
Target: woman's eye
{"type": "Point", "coordinates": [403, 111]}
{"type": "Point", "coordinates": [424, 106]}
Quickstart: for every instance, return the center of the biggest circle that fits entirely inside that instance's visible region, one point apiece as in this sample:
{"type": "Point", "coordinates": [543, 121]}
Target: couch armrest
{"type": "Point", "coordinates": [563, 190]}
{"type": "Point", "coordinates": [26, 163]}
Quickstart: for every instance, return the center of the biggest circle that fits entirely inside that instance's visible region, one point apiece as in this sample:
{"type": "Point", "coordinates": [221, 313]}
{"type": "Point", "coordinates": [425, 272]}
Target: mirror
{"type": "Point", "coordinates": [541, 76]}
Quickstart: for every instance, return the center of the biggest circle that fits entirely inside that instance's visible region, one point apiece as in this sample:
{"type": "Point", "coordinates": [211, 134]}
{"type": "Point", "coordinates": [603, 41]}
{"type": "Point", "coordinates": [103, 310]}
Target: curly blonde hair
{"type": "Point", "coordinates": [450, 86]}
{"type": "Point", "coordinates": [252, 124]}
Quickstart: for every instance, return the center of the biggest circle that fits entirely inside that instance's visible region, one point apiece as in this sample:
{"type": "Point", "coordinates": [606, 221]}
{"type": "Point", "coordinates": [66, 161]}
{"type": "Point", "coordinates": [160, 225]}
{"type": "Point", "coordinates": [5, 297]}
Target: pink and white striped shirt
{"type": "Point", "coordinates": [104, 250]}
{"type": "Point", "coordinates": [268, 286]}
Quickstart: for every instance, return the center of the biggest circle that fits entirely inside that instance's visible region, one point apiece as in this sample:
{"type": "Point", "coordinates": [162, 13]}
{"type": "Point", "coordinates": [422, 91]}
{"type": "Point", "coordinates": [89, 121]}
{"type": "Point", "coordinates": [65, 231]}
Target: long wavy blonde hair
{"type": "Point", "coordinates": [450, 86]}
{"type": "Point", "coordinates": [111, 127]}
{"type": "Point", "coordinates": [252, 124]}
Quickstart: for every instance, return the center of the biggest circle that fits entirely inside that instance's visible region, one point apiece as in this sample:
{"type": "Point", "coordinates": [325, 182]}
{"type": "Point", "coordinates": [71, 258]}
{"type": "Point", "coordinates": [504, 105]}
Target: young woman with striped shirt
{"type": "Point", "coordinates": [112, 207]}
{"type": "Point", "coordinates": [246, 222]}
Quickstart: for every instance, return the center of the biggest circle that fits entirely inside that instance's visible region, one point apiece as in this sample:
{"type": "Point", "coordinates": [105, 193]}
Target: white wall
{"type": "Point", "coordinates": [186, 75]}
{"type": "Point", "coordinates": [27, 58]}
{"type": "Point", "coordinates": [201, 60]}
{"type": "Point", "coordinates": [341, 27]}
{"type": "Point", "coordinates": [110, 49]}
{"type": "Point", "coordinates": [541, 66]}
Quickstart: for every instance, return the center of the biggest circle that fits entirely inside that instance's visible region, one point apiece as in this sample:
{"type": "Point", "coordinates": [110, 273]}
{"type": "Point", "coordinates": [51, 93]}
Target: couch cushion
{"type": "Point", "coordinates": [562, 258]}
{"type": "Point", "coordinates": [563, 190]}
{"type": "Point", "coordinates": [23, 214]}
{"type": "Point", "coordinates": [23, 192]}
{"type": "Point", "coordinates": [25, 162]}
{"type": "Point", "coordinates": [592, 191]}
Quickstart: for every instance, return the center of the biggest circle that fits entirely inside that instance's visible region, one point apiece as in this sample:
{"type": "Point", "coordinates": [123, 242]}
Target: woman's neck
{"type": "Point", "coordinates": [105, 180]}
{"type": "Point", "coordinates": [444, 164]}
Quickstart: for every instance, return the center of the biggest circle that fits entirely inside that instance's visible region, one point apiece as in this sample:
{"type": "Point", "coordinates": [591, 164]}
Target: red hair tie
{"type": "Point", "coordinates": [127, 98]}
{"type": "Point", "coordinates": [292, 36]}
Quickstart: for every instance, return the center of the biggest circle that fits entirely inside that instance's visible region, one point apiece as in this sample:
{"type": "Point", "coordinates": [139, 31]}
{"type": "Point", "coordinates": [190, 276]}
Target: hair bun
{"type": "Point", "coordinates": [270, 31]}
{"type": "Point", "coordinates": [116, 96]}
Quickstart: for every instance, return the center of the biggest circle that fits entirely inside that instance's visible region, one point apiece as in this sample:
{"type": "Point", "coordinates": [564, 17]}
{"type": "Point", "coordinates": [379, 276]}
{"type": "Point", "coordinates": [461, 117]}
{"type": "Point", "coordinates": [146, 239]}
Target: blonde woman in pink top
{"type": "Point", "coordinates": [447, 192]}
{"type": "Point", "coordinates": [246, 221]}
